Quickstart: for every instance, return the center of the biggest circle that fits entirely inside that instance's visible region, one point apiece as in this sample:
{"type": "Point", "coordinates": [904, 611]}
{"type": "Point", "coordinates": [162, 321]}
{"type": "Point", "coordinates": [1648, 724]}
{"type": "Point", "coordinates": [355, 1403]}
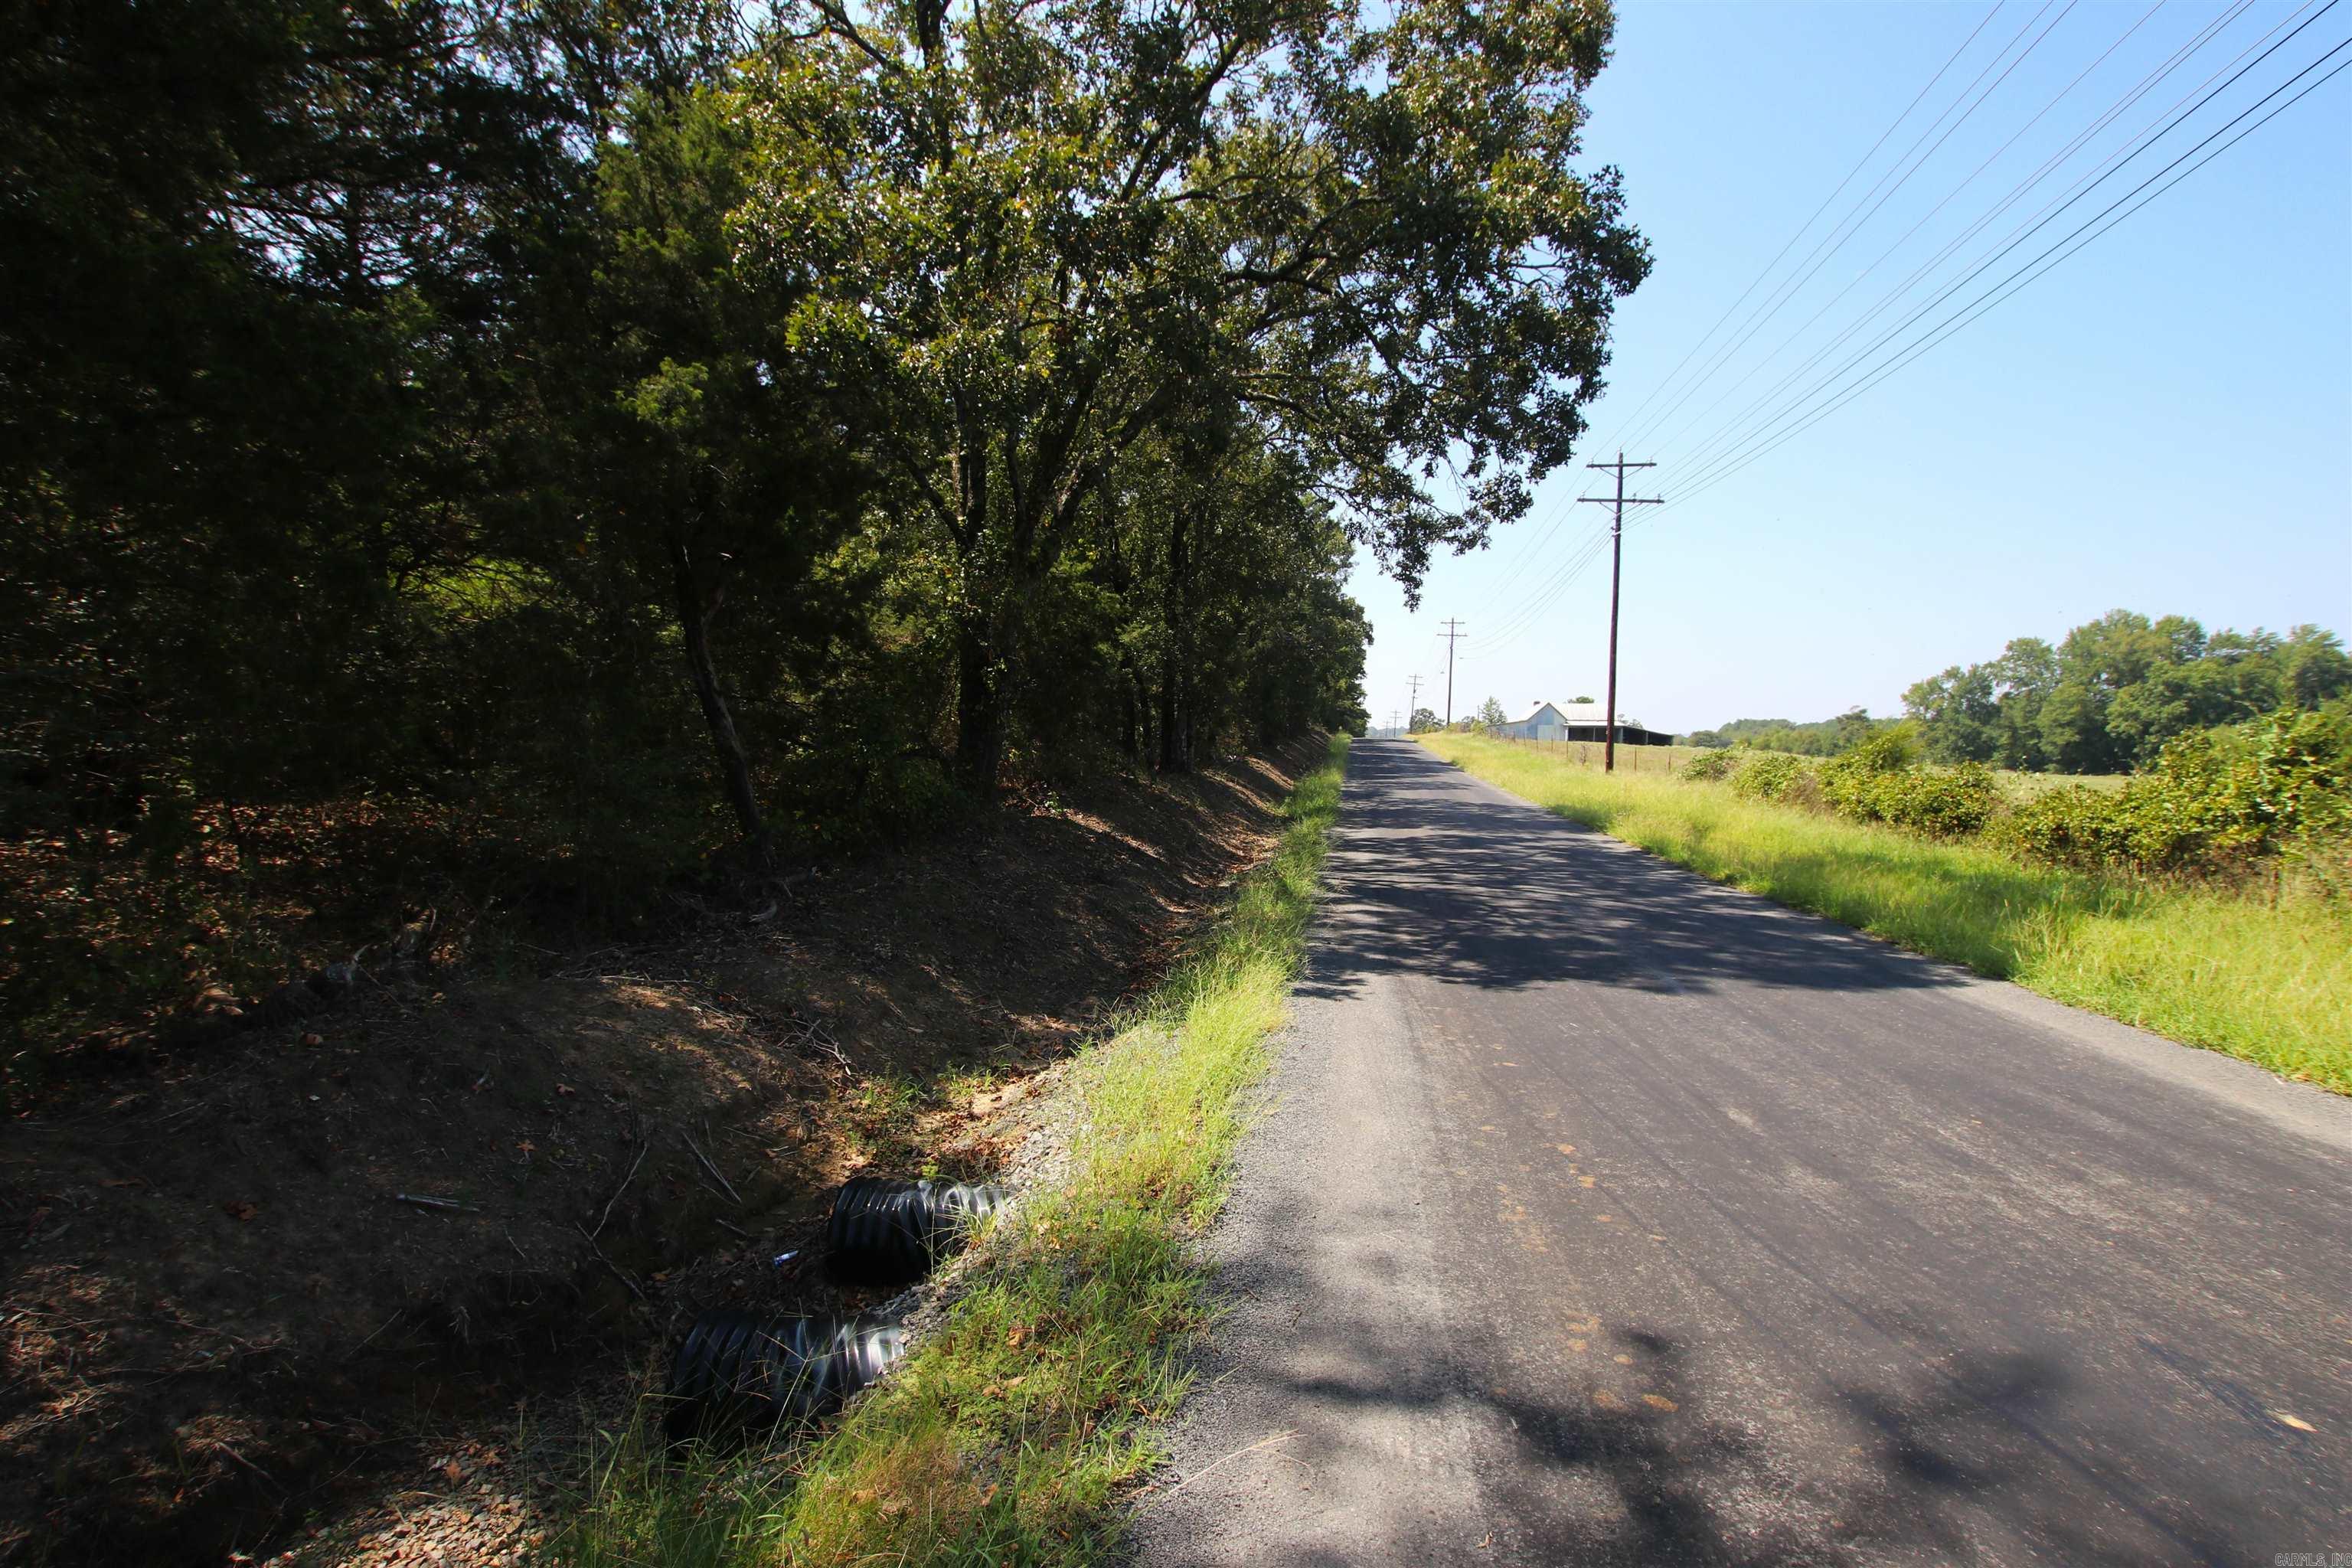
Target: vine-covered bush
{"type": "Point", "coordinates": [1850, 783]}
{"type": "Point", "coordinates": [2213, 801]}
{"type": "Point", "coordinates": [1714, 765]}
{"type": "Point", "coordinates": [1942, 802]}
{"type": "Point", "coordinates": [1881, 780]}
{"type": "Point", "coordinates": [1772, 775]}
{"type": "Point", "coordinates": [2273, 793]}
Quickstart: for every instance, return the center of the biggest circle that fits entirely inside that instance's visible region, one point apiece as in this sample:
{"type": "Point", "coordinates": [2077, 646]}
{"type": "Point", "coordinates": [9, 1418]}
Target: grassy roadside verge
{"type": "Point", "coordinates": [2210, 969]}
{"type": "Point", "coordinates": [1004, 1436]}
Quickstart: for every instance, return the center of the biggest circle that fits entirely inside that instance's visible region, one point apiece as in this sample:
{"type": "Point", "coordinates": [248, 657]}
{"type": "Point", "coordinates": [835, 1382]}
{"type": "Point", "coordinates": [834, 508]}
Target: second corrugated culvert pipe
{"type": "Point", "coordinates": [889, 1231]}
{"type": "Point", "coordinates": [740, 1368]}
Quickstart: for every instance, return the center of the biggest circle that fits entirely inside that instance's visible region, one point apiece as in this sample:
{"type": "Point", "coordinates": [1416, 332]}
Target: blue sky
{"type": "Point", "coordinates": [2163, 423]}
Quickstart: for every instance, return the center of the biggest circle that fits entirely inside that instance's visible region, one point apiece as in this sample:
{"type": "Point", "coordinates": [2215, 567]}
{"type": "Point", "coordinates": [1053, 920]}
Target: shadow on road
{"type": "Point", "coordinates": [1431, 879]}
{"type": "Point", "coordinates": [1530, 1267]}
{"type": "Point", "coordinates": [1626, 1454]}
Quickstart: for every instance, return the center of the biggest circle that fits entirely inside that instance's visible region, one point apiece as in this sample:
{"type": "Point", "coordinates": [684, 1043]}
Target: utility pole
{"type": "Point", "coordinates": [1450, 634]}
{"type": "Point", "coordinates": [1616, 571]}
{"type": "Point", "coordinates": [1412, 704]}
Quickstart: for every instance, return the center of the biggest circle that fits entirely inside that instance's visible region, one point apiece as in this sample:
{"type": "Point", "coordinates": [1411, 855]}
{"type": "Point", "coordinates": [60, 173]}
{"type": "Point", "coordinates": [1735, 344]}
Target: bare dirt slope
{"type": "Point", "coordinates": [228, 1327]}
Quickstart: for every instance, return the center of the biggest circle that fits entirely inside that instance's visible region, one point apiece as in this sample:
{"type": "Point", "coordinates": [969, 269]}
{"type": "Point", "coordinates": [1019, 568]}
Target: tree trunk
{"type": "Point", "coordinates": [980, 714]}
{"type": "Point", "coordinates": [1133, 697]}
{"type": "Point", "coordinates": [1175, 719]}
{"type": "Point", "coordinates": [1131, 710]}
{"type": "Point", "coordinates": [1175, 723]}
{"type": "Point", "coordinates": [734, 763]}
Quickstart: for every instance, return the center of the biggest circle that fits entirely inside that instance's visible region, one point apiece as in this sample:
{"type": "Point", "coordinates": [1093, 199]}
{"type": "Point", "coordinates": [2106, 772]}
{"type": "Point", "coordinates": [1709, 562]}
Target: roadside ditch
{"type": "Point", "coordinates": [366, 1286]}
{"type": "Point", "coordinates": [1038, 1368]}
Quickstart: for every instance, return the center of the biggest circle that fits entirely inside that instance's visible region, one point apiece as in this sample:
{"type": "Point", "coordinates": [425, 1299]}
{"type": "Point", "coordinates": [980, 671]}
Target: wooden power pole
{"type": "Point", "coordinates": [1412, 704]}
{"type": "Point", "coordinates": [1451, 633]}
{"type": "Point", "coordinates": [1616, 570]}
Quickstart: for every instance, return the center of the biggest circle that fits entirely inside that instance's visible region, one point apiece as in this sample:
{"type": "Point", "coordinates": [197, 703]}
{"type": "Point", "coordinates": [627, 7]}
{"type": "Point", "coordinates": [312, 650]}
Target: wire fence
{"type": "Point", "coordinates": [1630, 758]}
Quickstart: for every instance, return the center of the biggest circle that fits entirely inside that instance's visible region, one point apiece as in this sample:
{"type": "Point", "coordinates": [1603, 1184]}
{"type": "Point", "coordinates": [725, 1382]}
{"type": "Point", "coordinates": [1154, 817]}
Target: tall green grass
{"type": "Point", "coordinates": [1002, 1436]}
{"type": "Point", "coordinates": [2210, 968]}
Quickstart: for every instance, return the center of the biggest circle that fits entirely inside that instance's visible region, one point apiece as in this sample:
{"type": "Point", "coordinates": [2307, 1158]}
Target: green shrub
{"type": "Point", "coordinates": [1881, 780]}
{"type": "Point", "coordinates": [1942, 802]}
{"type": "Point", "coordinates": [2302, 772]}
{"type": "Point", "coordinates": [2215, 802]}
{"type": "Point", "coordinates": [2077, 825]}
{"type": "Point", "coordinates": [1888, 751]}
{"type": "Point", "coordinates": [1849, 783]}
{"type": "Point", "coordinates": [1772, 775]}
{"type": "Point", "coordinates": [1714, 765]}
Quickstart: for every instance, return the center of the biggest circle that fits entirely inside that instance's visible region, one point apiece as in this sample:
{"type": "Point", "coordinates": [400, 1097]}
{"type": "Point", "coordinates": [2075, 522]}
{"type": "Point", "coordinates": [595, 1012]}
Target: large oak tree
{"type": "Point", "coordinates": [1013, 239]}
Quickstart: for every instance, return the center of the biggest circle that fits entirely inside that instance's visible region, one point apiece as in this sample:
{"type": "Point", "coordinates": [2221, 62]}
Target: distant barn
{"type": "Point", "coordinates": [1578, 721]}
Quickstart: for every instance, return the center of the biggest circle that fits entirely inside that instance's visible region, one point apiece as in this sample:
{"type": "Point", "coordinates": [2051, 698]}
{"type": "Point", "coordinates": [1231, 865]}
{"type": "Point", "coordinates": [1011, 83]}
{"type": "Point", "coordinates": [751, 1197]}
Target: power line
{"type": "Point", "coordinates": [1797, 408]}
{"type": "Point", "coordinates": [2114, 163]}
{"type": "Point", "coordinates": [1805, 228]}
{"type": "Point", "coordinates": [1550, 531]}
{"type": "Point", "coordinates": [1529, 609]}
{"type": "Point", "coordinates": [1843, 233]}
{"type": "Point", "coordinates": [1530, 613]}
{"type": "Point", "coordinates": [1511, 620]}
{"type": "Point", "coordinates": [1724, 440]}
{"type": "Point", "coordinates": [1988, 301]}
{"type": "Point", "coordinates": [1724, 453]}
{"type": "Point", "coordinates": [1856, 280]}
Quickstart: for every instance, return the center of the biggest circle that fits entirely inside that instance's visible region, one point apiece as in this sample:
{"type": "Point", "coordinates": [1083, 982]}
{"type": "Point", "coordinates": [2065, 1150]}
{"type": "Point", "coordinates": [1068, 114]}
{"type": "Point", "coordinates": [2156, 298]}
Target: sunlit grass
{"type": "Point", "coordinates": [1004, 1436]}
{"type": "Point", "coordinates": [2206, 967]}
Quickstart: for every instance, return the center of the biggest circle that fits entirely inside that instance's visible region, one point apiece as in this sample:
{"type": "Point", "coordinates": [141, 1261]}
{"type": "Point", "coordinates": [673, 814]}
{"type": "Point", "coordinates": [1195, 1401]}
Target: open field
{"type": "Point", "coordinates": [2213, 969]}
{"type": "Point", "coordinates": [2025, 786]}
{"type": "Point", "coordinates": [1002, 1436]}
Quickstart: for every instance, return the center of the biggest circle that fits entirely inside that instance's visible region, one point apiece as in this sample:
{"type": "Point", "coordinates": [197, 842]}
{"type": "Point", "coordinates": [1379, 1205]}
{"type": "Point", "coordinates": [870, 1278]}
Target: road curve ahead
{"type": "Point", "coordinates": [1602, 1215]}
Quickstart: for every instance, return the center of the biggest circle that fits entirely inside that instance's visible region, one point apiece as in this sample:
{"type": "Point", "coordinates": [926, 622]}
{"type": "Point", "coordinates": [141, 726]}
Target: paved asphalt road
{"type": "Point", "coordinates": [1605, 1216]}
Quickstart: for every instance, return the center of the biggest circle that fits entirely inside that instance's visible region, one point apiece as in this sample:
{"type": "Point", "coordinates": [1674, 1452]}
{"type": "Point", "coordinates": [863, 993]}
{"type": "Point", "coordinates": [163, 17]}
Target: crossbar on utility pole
{"type": "Point", "coordinates": [1451, 633]}
{"type": "Point", "coordinates": [1616, 570]}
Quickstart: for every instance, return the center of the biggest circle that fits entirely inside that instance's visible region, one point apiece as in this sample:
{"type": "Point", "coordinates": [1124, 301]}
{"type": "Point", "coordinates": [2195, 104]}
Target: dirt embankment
{"type": "Point", "coordinates": [343, 1287]}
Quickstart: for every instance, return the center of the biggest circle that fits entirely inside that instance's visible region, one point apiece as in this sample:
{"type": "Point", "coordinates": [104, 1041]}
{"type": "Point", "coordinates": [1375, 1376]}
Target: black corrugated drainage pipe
{"type": "Point", "coordinates": [753, 1369]}
{"type": "Point", "coordinates": [888, 1232]}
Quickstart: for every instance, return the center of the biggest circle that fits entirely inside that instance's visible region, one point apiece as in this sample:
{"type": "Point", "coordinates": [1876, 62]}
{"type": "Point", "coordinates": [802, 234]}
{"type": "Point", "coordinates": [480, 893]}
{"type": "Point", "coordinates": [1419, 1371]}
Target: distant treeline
{"type": "Point", "coordinates": [2103, 700]}
{"type": "Point", "coordinates": [1821, 738]}
{"type": "Point", "coordinates": [2108, 697]}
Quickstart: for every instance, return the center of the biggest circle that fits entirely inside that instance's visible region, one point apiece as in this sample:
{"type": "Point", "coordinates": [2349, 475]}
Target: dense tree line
{"type": "Point", "coordinates": [2115, 690]}
{"type": "Point", "coordinates": [2105, 700]}
{"type": "Point", "coordinates": [1820, 738]}
{"type": "Point", "coordinates": [613, 414]}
